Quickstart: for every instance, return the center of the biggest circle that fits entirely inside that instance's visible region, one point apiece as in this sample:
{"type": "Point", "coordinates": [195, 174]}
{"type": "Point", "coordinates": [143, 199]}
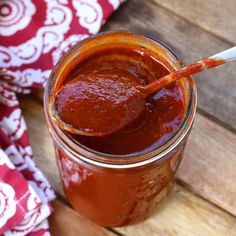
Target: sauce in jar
{"type": "Point", "coordinates": [163, 111]}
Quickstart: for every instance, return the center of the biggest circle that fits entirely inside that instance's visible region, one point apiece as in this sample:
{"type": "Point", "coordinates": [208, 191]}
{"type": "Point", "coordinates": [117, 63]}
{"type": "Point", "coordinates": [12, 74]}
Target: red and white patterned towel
{"type": "Point", "coordinates": [34, 34]}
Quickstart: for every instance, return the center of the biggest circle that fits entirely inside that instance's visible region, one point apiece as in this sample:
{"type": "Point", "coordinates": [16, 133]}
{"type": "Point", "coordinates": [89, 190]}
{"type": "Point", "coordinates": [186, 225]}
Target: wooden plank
{"type": "Point", "coordinates": [208, 166]}
{"type": "Point", "coordinates": [65, 221]}
{"type": "Point", "coordinates": [216, 88]}
{"type": "Point", "coordinates": [185, 215]}
{"type": "Point", "coordinates": [216, 16]}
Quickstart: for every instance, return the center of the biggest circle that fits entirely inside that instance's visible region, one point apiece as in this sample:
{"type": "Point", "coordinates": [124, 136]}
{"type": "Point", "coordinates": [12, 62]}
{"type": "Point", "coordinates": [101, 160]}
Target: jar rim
{"type": "Point", "coordinates": [74, 150]}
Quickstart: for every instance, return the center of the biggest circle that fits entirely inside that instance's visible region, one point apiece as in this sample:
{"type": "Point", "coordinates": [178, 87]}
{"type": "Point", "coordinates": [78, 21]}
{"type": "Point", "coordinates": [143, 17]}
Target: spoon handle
{"type": "Point", "coordinates": [227, 55]}
{"type": "Point", "coordinates": [193, 68]}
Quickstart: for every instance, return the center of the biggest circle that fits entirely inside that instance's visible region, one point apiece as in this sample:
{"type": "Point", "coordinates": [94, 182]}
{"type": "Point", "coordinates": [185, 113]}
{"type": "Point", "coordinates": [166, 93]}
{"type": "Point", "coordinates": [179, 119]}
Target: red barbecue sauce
{"type": "Point", "coordinates": [163, 111]}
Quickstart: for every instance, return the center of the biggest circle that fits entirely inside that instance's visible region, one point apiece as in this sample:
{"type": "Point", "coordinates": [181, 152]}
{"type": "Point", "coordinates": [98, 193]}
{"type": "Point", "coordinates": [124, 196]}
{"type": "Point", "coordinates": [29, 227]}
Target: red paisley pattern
{"type": "Point", "coordinates": [33, 36]}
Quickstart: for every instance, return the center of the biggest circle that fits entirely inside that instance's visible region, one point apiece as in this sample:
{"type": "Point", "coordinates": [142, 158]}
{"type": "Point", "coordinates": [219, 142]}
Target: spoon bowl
{"type": "Point", "coordinates": [97, 107]}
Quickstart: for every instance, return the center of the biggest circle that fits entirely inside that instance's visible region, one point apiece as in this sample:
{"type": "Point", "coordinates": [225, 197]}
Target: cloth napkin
{"type": "Point", "coordinates": [34, 34]}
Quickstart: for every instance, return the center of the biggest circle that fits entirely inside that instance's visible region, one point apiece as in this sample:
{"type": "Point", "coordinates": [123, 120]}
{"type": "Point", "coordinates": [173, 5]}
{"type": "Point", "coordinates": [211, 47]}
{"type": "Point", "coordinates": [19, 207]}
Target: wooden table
{"type": "Point", "coordinates": [204, 199]}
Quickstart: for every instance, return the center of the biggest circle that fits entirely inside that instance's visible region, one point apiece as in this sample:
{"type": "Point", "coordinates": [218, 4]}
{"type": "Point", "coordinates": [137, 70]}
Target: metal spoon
{"type": "Point", "coordinates": [133, 103]}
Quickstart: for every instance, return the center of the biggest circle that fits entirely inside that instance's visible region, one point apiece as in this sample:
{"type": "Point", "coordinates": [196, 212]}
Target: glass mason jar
{"type": "Point", "coordinates": [117, 190]}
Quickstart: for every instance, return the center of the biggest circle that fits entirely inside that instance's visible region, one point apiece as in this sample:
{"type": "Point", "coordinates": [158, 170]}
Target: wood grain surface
{"type": "Point", "coordinates": [216, 88]}
{"type": "Point", "coordinates": [215, 16]}
{"type": "Point", "coordinates": [208, 166]}
{"type": "Point", "coordinates": [184, 215]}
{"type": "Point", "coordinates": [66, 222]}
